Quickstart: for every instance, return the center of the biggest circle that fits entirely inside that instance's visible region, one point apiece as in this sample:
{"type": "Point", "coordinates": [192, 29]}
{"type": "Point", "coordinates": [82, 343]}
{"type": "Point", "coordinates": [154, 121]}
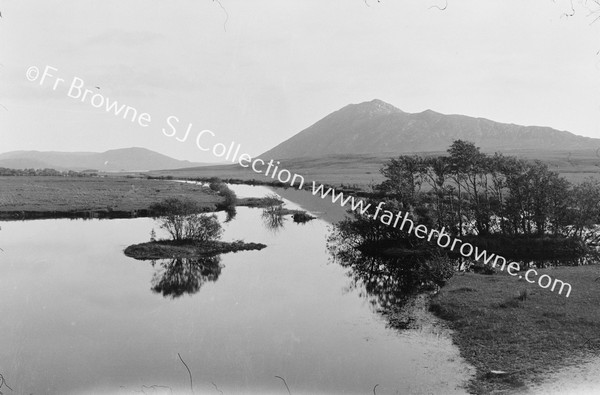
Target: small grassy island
{"type": "Point", "coordinates": [165, 249]}
{"type": "Point", "coordinates": [193, 233]}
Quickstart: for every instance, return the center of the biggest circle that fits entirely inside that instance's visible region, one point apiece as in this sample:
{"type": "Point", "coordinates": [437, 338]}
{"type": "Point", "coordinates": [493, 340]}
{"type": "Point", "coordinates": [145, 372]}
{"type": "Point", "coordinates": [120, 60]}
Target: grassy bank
{"type": "Point", "coordinates": [103, 197]}
{"type": "Point", "coordinates": [509, 325]}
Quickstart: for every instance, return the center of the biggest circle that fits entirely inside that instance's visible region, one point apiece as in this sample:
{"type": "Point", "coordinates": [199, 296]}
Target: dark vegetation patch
{"type": "Point", "coordinates": [530, 247]}
{"type": "Point", "coordinates": [302, 217]}
{"type": "Point", "coordinates": [164, 249]}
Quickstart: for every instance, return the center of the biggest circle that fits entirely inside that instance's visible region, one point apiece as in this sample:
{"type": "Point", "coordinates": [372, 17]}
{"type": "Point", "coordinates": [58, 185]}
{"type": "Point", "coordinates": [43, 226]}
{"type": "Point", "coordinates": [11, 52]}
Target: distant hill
{"type": "Point", "coordinates": [125, 159]}
{"type": "Point", "coordinates": [377, 127]}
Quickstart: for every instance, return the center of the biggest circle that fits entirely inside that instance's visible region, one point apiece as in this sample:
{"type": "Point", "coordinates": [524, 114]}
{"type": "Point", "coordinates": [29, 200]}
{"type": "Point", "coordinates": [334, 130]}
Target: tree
{"type": "Point", "coordinates": [230, 198]}
{"type": "Point", "coordinates": [272, 213]}
{"type": "Point", "coordinates": [180, 218]}
{"type": "Point", "coordinates": [404, 177]}
{"type": "Point", "coordinates": [585, 205]}
{"type": "Point", "coordinates": [469, 168]}
{"type": "Point", "coordinates": [436, 175]}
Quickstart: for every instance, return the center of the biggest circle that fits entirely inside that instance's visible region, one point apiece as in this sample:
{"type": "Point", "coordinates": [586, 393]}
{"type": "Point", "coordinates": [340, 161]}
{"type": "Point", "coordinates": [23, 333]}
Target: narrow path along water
{"type": "Point", "coordinates": [79, 317]}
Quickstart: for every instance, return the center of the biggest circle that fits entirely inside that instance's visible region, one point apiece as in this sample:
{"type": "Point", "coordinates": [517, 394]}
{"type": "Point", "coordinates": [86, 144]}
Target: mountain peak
{"type": "Point", "coordinates": [375, 127]}
{"type": "Point", "coordinates": [373, 108]}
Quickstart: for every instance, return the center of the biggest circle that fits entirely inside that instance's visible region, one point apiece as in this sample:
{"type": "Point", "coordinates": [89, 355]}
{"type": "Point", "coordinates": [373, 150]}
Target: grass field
{"type": "Point", "coordinates": [353, 169]}
{"type": "Point", "coordinates": [56, 196]}
{"type": "Point", "coordinates": [363, 170]}
{"type": "Point", "coordinates": [498, 328]}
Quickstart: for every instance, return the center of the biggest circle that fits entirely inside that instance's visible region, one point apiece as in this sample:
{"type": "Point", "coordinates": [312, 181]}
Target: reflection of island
{"type": "Point", "coordinates": [184, 266]}
{"type": "Point", "coordinates": [274, 212]}
{"type": "Point", "coordinates": [179, 276]}
{"type": "Point", "coordinates": [273, 218]}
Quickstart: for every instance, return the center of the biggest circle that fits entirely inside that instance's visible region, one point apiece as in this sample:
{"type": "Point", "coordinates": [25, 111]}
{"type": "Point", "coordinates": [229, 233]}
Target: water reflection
{"type": "Point", "coordinates": [273, 218]}
{"type": "Point", "coordinates": [178, 276]}
{"type": "Point", "coordinates": [386, 282]}
{"type": "Point", "coordinates": [231, 213]}
{"type": "Point", "coordinates": [273, 312]}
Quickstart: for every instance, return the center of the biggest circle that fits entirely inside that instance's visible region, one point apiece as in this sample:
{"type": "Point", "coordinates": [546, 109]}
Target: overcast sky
{"type": "Point", "coordinates": [259, 72]}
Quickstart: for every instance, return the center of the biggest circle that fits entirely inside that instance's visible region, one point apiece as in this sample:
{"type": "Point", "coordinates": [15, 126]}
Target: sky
{"type": "Point", "coordinates": [257, 72]}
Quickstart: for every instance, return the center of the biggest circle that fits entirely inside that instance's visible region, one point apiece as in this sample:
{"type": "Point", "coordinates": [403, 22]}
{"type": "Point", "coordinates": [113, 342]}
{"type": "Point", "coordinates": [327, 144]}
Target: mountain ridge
{"type": "Point", "coordinates": [376, 126]}
{"type": "Point", "coordinates": [115, 160]}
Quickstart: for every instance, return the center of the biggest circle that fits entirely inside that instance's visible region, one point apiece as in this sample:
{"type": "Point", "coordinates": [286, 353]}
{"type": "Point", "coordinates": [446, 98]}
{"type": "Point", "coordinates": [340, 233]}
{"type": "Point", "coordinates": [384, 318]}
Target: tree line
{"type": "Point", "coordinates": [472, 193]}
{"type": "Point", "coordinates": [5, 171]}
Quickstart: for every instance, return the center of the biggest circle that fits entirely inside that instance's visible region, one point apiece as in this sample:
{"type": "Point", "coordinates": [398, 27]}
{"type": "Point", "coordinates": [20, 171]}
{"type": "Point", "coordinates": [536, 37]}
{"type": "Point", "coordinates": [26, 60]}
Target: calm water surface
{"type": "Point", "coordinates": [79, 317]}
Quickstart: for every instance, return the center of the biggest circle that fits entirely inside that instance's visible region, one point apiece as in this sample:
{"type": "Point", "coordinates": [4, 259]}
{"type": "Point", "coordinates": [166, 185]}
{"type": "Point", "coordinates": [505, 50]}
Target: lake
{"type": "Point", "coordinates": [79, 317]}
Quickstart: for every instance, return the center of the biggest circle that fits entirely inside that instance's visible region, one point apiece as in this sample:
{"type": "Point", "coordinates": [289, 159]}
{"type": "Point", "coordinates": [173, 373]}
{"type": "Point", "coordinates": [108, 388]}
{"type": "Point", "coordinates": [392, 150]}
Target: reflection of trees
{"type": "Point", "coordinates": [180, 276]}
{"type": "Point", "coordinates": [272, 217]}
{"type": "Point", "coordinates": [231, 213]}
{"type": "Point", "coordinates": [386, 282]}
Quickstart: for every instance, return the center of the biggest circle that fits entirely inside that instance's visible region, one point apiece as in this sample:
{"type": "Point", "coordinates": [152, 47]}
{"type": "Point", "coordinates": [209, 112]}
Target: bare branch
{"type": "Point", "coordinates": [189, 372]}
{"type": "Point", "coordinates": [440, 8]}
{"type": "Point", "coordinates": [226, 14]}
{"type": "Point", "coordinates": [572, 11]}
{"type": "Point", "coordinates": [4, 383]}
{"type": "Point", "coordinates": [286, 386]}
{"type": "Point", "coordinates": [217, 388]}
{"type": "Point", "coordinates": [367, 3]}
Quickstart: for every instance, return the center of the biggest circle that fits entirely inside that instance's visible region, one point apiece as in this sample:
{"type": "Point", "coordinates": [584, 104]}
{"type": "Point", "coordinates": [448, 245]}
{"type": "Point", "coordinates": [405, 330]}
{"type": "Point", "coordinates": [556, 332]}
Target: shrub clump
{"type": "Point", "coordinates": [302, 217]}
{"type": "Point", "coordinates": [230, 198]}
{"type": "Point", "coordinates": [180, 218]}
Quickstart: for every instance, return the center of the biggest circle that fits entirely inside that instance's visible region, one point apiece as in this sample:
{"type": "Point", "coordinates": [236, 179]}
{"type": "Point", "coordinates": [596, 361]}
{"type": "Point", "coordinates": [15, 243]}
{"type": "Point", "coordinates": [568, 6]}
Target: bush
{"type": "Point", "coordinates": [180, 218]}
{"type": "Point", "coordinates": [214, 183]}
{"type": "Point", "coordinates": [440, 269]}
{"type": "Point", "coordinates": [230, 197]}
{"type": "Point", "coordinates": [302, 217]}
{"type": "Point", "coordinates": [219, 186]}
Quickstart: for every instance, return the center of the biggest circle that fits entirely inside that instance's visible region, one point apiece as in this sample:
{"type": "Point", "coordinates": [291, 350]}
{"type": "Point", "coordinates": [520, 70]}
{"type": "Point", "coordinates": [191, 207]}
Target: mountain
{"type": "Point", "coordinates": [378, 127]}
{"type": "Point", "coordinates": [125, 159]}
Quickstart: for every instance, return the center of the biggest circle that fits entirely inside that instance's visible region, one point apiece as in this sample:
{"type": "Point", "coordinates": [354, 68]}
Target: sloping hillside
{"type": "Point", "coordinates": [377, 127]}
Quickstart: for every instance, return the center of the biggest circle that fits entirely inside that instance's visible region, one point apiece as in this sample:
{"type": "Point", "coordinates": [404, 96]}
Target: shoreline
{"type": "Point", "coordinates": [24, 215]}
{"type": "Point", "coordinates": [37, 197]}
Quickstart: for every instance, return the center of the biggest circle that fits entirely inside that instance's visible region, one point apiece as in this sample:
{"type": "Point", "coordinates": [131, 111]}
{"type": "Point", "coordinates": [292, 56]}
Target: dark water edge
{"type": "Point", "coordinates": [109, 214]}
{"type": "Point", "coordinates": [80, 214]}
